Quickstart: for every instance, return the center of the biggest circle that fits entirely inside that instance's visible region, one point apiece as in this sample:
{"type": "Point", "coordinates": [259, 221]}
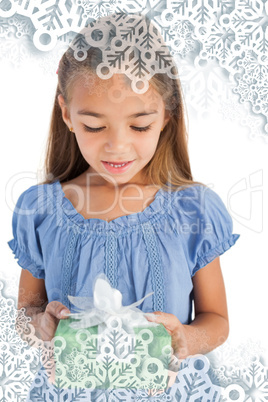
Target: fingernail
{"type": "Point", "coordinates": [64, 313]}
{"type": "Point", "coordinates": [150, 316]}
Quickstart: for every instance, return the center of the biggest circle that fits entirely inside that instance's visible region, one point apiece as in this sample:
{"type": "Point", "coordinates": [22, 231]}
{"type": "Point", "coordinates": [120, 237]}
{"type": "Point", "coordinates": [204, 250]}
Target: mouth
{"type": "Point", "coordinates": [117, 167]}
{"type": "Point", "coordinates": [117, 164]}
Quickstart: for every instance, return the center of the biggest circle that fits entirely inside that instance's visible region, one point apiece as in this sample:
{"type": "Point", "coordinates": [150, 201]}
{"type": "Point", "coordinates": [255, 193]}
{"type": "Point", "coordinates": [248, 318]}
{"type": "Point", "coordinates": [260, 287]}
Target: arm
{"type": "Point", "coordinates": [33, 297]}
{"type": "Point", "coordinates": [210, 327]}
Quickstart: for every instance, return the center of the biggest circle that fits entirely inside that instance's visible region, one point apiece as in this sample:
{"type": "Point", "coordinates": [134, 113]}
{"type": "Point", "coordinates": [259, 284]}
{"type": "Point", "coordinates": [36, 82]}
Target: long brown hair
{"type": "Point", "coordinates": [170, 164]}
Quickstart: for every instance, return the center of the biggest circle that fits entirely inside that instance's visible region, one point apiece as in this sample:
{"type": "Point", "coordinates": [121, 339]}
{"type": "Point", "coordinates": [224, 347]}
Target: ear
{"type": "Point", "coordinates": [64, 110]}
{"type": "Point", "coordinates": [167, 118]}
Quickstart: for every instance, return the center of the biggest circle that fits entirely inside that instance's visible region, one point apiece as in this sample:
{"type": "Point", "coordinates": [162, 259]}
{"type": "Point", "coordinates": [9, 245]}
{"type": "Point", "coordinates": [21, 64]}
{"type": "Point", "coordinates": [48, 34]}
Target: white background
{"type": "Point", "coordinates": [222, 154]}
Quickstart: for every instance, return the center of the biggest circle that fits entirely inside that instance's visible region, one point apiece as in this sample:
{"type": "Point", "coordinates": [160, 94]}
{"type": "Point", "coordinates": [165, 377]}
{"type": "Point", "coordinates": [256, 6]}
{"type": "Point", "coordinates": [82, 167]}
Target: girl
{"type": "Point", "coordinates": [120, 197]}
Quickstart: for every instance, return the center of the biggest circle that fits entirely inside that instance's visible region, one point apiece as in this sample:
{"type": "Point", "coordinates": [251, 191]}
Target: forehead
{"type": "Point", "coordinates": [90, 90]}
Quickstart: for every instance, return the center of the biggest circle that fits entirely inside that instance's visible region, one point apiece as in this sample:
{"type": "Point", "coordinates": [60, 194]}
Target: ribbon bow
{"type": "Point", "coordinates": [106, 303]}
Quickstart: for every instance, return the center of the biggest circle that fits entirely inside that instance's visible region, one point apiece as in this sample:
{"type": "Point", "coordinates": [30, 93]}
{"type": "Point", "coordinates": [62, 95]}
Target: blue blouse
{"type": "Point", "coordinates": [157, 250]}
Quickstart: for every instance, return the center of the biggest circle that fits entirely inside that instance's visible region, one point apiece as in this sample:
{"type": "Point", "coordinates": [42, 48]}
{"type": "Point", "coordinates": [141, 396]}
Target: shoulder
{"type": "Point", "coordinates": [198, 209]}
{"type": "Point", "coordinates": [34, 199]}
{"type": "Point", "coordinates": [34, 214]}
{"type": "Point", "coordinates": [195, 200]}
{"type": "Point", "coordinates": [202, 220]}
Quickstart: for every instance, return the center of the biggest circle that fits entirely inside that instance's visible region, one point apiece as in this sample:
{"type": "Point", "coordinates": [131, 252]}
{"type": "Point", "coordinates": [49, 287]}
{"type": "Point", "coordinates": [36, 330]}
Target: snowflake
{"type": "Point", "coordinates": [15, 356]}
{"type": "Point", "coordinates": [249, 20]}
{"type": "Point", "coordinates": [182, 42]}
{"type": "Point", "coordinates": [202, 85]}
{"type": "Point", "coordinates": [193, 381]}
{"type": "Point", "coordinates": [9, 284]}
{"type": "Point", "coordinates": [233, 373]}
{"type": "Point", "coordinates": [96, 9]}
{"type": "Point", "coordinates": [249, 383]}
{"type": "Point", "coordinates": [219, 43]}
{"type": "Point", "coordinates": [252, 83]}
{"type": "Point", "coordinates": [223, 29]}
{"type": "Point", "coordinates": [232, 110]}
{"type": "Point", "coordinates": [231, 356]}
{"type": "Point", "coordinates": [5, 28]}
{"type": "Point", "coordinates": [129, 45]}
{"type": "Point", "coordinates": [22, 25]}
{"type": "Point", "coordinates": [152, 395]}
{"type": "Point", "coordinates": [112, 358]}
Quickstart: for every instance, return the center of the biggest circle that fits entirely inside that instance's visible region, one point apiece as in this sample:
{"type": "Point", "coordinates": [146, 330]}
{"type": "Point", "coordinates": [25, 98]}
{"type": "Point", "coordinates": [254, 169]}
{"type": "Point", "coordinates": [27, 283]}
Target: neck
{"type": "Point", "coordinates": [95, 179]}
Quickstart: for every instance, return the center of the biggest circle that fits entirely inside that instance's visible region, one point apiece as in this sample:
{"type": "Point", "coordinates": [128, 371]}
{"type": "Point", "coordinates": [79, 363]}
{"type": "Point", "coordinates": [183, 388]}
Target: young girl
{"type": "Point", "coordinates": [120, 198]}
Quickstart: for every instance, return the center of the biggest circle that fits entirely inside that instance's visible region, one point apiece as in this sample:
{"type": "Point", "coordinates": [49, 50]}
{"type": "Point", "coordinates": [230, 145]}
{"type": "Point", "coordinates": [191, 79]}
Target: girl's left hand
{"type": "Point", "coordinates": [175, 328]}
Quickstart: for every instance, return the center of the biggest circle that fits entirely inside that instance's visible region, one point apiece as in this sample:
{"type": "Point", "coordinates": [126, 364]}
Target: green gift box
{"type": "Point", "coordinates": [107, 356]}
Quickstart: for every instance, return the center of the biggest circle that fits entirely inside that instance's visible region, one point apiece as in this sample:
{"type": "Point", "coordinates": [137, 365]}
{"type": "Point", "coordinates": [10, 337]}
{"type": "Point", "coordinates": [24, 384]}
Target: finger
{"type": "Point", "coordinates": [154, 315]}
{"type": "Point", "coordinates": [150, 317]}
{"type": "Point", "coordinates": [159, 317]}
{"type": "Point", "coordinates": [170, 322]}
{"type": "Point", "coordinates": [57, 310]}
{"type": "Point", "coordinates": [159, 314]}
{"type": "Point", "coordinates": [159, 320]}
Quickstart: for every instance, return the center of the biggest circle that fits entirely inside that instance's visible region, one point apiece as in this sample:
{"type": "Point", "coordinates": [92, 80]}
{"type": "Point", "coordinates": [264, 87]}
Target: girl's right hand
{"type": "Point", "coordinates": [44, 316]}
{"type": "Point", "coordinates": [47, 322]}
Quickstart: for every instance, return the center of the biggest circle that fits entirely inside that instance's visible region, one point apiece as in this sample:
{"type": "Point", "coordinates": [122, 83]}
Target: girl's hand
{"type": "Point", "coordinates": [46, 323]}
{"type": "Point", "coordinates": [175, 328]}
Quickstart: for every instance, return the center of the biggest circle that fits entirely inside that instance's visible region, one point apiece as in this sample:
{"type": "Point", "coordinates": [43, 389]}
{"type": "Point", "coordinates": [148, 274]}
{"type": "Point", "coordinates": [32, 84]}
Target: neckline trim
{"type": "Point", "coordinates": [154, 209]}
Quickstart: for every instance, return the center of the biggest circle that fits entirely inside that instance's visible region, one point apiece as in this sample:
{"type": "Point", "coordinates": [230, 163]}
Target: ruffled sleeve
{"type": "Point", "coordinates": [210, 228]}
{"type": "Point", "coordinates": [26, 243]}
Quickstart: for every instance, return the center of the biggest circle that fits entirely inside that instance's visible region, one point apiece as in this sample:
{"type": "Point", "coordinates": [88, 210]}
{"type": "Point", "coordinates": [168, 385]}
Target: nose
{"type": "Point", "coordinates": [117, 141]}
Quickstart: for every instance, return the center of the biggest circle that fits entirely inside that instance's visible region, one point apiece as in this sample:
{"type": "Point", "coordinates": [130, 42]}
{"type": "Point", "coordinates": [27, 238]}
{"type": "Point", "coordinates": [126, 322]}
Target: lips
{"type": "Point", "coordinates": [116, 166]}
{"type": "Point", "coordinates": [117, 163]}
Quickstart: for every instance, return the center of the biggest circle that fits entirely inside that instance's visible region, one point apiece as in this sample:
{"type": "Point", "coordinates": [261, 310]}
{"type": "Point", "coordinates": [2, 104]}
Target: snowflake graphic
{"type": "Point", "coordinates": [182, 42]}
{"type": "Point", "coordinates": [15, 357]}
{"type": "Point", "coordinates": [249, 20]}
{"type": "Point", "coordinates": [96, 9]}
{"type": "Point", "coordinates": [130, 45]}
{"type": "Point", "coordinates": [253, 82]}
{"type": "Point", "coordinates": [234, 111]}
{"type": "Point", "coordinates": [223, 30]}
{"type": "Point", "coordinates": [21, 352]}
{"type": "Point", "coordinates": [21, 25]}
{"type": "Point", "coordinates": [249, 383]}
{"type": "Point", "coordinates": [193, 381]}
{"type": "Point", "coordinates": [27, 368]}
{"type": "Point", "coordinates": [112, 358]}
{"type": "Point", "coordinates": [152, 395]}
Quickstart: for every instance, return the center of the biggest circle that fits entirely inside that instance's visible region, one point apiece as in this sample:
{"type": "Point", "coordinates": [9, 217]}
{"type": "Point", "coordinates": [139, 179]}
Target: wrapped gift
{"type": "Point", "coordinates": [110, 346]}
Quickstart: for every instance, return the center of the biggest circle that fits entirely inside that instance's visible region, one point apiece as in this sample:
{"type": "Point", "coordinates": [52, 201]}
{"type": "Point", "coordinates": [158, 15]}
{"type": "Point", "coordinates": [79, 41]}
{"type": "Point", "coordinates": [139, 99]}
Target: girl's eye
{"type": "Point", "coordinates": [141, 128]}
{"type": "Point", "coordinates": [97, 129]}
{"type": "Point", "coordinates": [93, 130]}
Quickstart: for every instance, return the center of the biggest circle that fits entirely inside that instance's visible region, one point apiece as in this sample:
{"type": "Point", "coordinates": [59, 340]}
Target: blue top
{"type": "Point", "coordinates": [157, 250]}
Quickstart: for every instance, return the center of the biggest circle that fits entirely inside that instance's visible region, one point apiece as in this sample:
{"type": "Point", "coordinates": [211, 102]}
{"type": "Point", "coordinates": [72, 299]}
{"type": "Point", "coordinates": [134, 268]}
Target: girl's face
{"type": "Point", "coordinates": [117, 131]}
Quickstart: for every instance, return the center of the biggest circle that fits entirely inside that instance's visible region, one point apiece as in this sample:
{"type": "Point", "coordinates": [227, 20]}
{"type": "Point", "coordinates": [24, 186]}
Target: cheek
{"type": "Point", "coordinates": [87, 146]}
{"type": "Point", "coordinates": [148, 145]}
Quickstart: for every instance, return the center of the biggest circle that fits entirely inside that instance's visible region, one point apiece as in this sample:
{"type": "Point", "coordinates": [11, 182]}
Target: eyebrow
{"type": "Point", "coordinates": [89, 113]}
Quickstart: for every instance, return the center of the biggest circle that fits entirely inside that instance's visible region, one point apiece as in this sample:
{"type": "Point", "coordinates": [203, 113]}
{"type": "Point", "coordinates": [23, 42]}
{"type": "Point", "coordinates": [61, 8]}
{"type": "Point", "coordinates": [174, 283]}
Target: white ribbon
{"type": "Point", "coordinates": [107, 302]}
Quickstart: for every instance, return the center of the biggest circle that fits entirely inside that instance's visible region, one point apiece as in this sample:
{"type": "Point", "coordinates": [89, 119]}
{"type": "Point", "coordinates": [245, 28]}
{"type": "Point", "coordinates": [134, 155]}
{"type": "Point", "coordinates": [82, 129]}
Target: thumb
{"type": "Point", "coordinates": [57, 310]}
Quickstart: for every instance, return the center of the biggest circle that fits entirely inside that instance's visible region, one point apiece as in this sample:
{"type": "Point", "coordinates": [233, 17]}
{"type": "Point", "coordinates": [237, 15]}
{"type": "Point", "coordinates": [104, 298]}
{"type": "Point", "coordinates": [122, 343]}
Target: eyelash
{"type": "Point", "coordinates": [96, 130]}
{"type": "Point", "coordinates": [141, 128]}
